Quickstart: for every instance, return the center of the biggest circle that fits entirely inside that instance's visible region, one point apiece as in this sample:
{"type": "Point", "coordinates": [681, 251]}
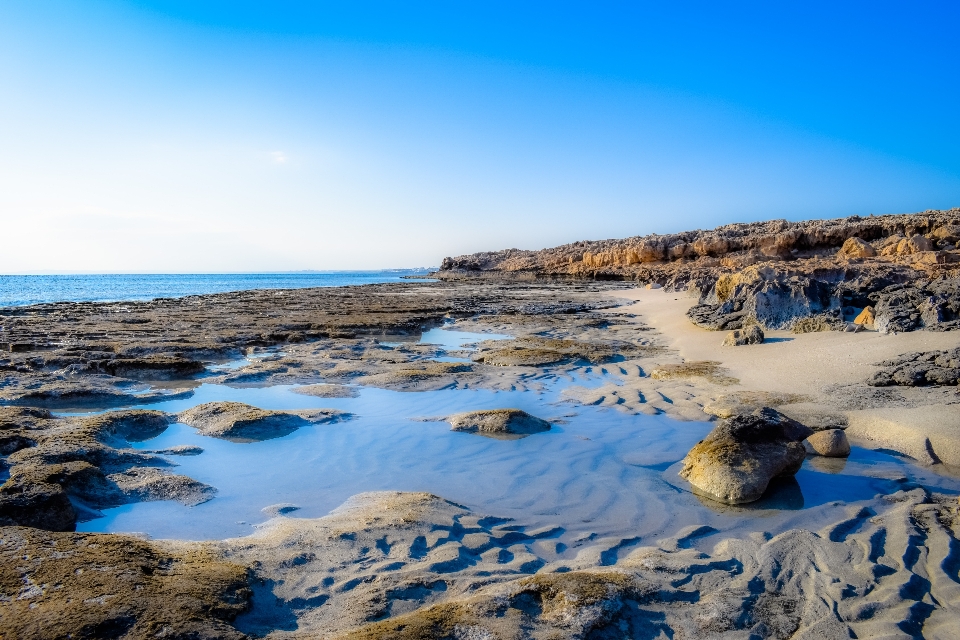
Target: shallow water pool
{"type": "Point", "coordinates": [598, 473]}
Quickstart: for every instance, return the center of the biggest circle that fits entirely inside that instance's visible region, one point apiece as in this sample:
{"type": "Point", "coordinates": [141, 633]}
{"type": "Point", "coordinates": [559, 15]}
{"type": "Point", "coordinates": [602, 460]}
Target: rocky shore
{"type": "Point", "coordinates": [805, 276]}
{"type": "Point", "coordinates": [793, 385]}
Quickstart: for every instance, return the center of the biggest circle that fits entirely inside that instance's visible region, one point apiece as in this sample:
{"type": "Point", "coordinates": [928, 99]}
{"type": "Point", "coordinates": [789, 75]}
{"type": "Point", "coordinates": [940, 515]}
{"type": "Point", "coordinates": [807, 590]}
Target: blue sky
{"type": "Point", "coordinates": [232, 136]}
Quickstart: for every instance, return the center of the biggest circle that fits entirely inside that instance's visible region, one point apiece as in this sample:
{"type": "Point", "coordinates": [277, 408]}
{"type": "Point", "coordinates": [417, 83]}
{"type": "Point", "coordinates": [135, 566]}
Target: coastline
{"type": "Point", "coordinates": [415, 565]}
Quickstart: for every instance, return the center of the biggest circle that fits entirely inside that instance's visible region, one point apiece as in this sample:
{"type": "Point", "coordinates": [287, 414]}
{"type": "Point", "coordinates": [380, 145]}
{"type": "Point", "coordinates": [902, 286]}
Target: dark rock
{"type": "Point", "coordinates": [917, 369]}
{"type": "Point", "coordinates": [43, 506]}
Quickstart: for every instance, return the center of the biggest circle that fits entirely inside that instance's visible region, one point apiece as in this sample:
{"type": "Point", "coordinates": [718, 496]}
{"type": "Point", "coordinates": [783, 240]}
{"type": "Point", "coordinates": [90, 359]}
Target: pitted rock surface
{"type": "Point", "coordinates": [919, 369]}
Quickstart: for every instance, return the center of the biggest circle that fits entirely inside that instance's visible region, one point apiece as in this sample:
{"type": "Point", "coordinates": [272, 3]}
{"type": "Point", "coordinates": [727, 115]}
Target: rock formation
{"type": "Point", "coordinates": [76, 585]}
{"type": "Point", "coordinates": [240, 422]}
{"type": "Point", "coordinates": [735, 463]}
{"type": "Point", "coordinates": [919, 369]}
{"type": "Point", "coordinates": [498, 423]}
{"type": "Point", "coordinates": [62, 469]}
{"type": "Point", "coordinates": [775, 273]}
{"type": "Point", "coordinates": [831, 443]}
{"type": "Point", "coordinates": [739, 337]}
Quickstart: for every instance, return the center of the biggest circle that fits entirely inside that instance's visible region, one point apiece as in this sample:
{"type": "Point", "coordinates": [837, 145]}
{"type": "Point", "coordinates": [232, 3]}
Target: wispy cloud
{"type": "Point", "coordinates": [279, 157]}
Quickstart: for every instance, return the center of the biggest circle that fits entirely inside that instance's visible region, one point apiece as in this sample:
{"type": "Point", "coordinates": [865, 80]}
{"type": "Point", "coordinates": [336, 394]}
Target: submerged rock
{"type": "Point", "coordinates": [739, 337]}
{"type": "Point", "coordinates": [327, 391]}
{"type": "Point", "coordinates": [280, 509]}
{"type": "Point", "coordinates": [537, 351]}
{"type": "Point", "coordinates": [738, 459]}
{"type": "Point", "coordinates": [831, 443]}
{"type": "Point", "coordinates": [244, 423]}
{"type": "Point", "coordinates": [498, 423]}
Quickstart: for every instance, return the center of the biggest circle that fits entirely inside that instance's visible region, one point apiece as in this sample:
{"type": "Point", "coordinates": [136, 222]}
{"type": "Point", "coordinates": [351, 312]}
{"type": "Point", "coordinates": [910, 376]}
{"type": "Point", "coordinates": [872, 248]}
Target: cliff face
{"type": "Point", "coordinates": [774, 273]}
{"type": "Point", "coordinates": [751, 242]}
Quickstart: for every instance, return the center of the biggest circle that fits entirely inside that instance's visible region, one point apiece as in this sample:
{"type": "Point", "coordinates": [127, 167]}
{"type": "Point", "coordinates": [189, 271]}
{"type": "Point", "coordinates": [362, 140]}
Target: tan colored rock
{"type": "Point", "coordinates": [913, 244]}
{"type": "Point", "coordinates": [888, 247]}
{"type": "Point", "coordinates": [739, 402]}
{"type": "Point", "coordinates": [856, 248]}
{"type": "Point", "coordinates": [831, 443]}
{"type": "Point", "coordinates": [865, 318]}
{"type": "Point", "coordinates": [739, 337]}
{"type": "Point", "coordinates": [947, 233]}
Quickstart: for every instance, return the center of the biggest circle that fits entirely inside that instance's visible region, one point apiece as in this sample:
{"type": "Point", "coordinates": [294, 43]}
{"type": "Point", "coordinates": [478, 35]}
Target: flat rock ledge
{"type": "Point", "coordinates": [735, 463]}
{"type": "Point", "coordinates": [239, 422]}
{"type": "Point", "coordinates": [498, 423]}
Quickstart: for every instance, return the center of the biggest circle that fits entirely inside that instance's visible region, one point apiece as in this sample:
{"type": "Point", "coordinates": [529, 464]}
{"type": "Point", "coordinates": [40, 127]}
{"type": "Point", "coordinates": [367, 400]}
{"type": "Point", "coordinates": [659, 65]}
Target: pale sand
{"type": "Point", "coordinates": [413, 566]}
{"type": "Point", "coordinates": [829, 368]}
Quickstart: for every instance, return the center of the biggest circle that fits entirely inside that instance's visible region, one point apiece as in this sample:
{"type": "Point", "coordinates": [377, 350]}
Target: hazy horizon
{"type": "Point", "coordinates": [172, 137]}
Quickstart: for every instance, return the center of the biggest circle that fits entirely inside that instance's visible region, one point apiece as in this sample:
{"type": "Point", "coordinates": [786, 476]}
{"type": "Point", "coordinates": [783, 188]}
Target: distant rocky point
{"type": "Point", "coordinates": [806, 276]}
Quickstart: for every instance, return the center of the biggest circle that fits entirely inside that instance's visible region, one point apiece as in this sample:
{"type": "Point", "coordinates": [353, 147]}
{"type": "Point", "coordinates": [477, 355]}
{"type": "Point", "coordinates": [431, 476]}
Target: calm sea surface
{"type": "Point", "coordinates": [22, 290]}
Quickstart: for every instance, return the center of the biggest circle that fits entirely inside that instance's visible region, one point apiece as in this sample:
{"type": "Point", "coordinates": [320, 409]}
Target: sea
{"type": "Point", "coordinates": [20, 290]}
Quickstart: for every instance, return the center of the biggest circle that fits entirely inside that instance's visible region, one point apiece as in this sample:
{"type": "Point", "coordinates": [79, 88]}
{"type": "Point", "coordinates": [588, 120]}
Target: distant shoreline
{"type": "Point", "coordinates": [24, 290]}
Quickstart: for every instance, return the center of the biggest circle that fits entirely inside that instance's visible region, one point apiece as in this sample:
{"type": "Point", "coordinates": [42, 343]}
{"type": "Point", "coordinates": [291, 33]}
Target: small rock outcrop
{"type": "Point", "coordinates": [241, 422]}
{"type": "Point", "coordinates": [327, 391]}
{"type": "Point", "coordinates": [919, 369]}
{"type": "Point", "coordinates": [63, 468]}
{"type": "Point", "coordinates": [739, 337]}
{"type": "Point", "coordinates": [498, 423]}
{"type": "Point", "coordinates": [865, 318]}
{"type": "Point", "coordinates": [831, 443]}
{"type": "Point", "coordinates": [857, 248]}
{"type": "Point", "coordinates": [735, 463]}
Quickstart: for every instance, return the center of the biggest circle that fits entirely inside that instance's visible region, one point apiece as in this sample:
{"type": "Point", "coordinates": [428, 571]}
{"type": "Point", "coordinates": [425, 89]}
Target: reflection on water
{"type": "Point", "coordinates": [454, 340]}
{"type": "Point", "coordinates": [597, 470]}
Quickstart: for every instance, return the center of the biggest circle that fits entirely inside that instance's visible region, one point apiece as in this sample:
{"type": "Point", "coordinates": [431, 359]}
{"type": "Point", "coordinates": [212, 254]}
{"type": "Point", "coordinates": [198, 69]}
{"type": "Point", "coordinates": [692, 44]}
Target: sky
{"type": "Point", "coordinates": [189, 136]}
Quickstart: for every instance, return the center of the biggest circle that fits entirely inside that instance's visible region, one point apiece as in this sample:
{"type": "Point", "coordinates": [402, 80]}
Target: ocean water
{"type": "Point", "coordinates": [35, 289]}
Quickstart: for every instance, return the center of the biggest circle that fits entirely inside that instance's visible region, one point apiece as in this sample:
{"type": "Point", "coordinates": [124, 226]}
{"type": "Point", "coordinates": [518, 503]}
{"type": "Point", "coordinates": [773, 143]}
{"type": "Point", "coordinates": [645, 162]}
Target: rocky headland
{"type": "Point", "coordinates": [805, 343]}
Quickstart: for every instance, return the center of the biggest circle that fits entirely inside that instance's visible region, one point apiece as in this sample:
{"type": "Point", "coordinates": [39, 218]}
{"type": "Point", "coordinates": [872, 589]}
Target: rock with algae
{"type": "Point", "coordinates": [498, 423]}
{"type": "Point", "coordinates": [735, 463]}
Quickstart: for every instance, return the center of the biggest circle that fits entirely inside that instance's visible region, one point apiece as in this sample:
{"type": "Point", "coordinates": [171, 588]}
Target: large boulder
{"type": "Point", "coordinates": [498, 423]}
{"type": "Point", "coordinates": [241, 422]}
{"type": "Point", "coordinates": [738, 459]}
